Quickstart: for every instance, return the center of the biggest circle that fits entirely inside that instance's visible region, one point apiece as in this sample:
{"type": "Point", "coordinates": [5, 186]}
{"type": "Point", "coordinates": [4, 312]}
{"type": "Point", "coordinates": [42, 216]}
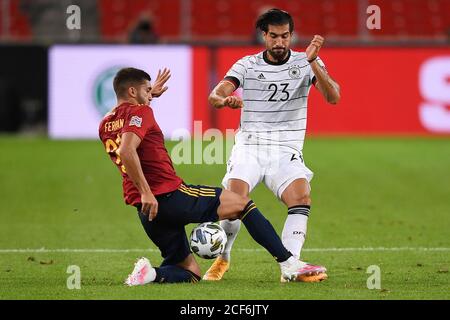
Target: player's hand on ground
{"type": "Point", "coordinates": [149, 205]}
{"type": "Point", "coordinates": [233, 102]}
{"type": "Point", "coordinates": [313, 49]}
{"type": "Point", "coordinates": [158, 86]}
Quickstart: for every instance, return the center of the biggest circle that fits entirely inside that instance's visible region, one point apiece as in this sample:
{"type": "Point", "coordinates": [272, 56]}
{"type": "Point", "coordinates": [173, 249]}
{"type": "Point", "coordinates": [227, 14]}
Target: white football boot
{"type": "Point", "coordinates": [143, 273]}
{"type": "Point", "coordinates": [299, 271]}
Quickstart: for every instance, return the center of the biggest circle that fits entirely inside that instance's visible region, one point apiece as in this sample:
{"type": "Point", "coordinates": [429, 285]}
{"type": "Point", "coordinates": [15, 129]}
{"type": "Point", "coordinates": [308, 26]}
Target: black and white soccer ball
{"type": "Point", "coordinates": [208, 240]}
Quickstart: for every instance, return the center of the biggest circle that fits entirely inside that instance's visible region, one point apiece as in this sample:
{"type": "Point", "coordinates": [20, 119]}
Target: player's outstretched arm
{"type": "Point", "coordinates": [221, 96]}
{"type": "Point", "coordinates": [159, 85]}
{"type": "Point", "coordinates": [130, 159]}
{"type": "Point", "coordinates": [328, 87]}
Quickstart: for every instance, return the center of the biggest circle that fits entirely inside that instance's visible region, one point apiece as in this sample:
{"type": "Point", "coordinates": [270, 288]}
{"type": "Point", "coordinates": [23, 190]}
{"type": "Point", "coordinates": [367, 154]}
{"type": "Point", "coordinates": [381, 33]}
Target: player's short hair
{"type": "Point", "coordinates": [128, 77]}
{"type": "Point", "coordinates": [275, 17]}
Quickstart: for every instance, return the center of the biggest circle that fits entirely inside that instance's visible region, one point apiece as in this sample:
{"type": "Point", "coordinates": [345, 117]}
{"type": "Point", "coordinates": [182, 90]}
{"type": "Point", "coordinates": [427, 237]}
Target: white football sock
{"type": "Point", "coordinates": [288, 263]}
{"type": "Point", "coordinates": [231, 228]}
{"type": "Point", "coordinates": [294, 231]}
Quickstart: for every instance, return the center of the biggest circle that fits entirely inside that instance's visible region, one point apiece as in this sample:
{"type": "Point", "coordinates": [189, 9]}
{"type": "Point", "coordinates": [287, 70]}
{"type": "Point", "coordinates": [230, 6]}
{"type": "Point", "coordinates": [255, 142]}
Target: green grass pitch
{"type": "Point", "coordinates": [376, 201]}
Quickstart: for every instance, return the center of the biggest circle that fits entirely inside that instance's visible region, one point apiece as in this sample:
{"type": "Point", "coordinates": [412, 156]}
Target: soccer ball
{"type": "Point", "coordinates": [208, 240]}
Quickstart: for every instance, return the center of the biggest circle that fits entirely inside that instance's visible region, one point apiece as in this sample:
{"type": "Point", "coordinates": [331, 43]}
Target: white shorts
{"type": "Point", "coordinates": [278, 167]}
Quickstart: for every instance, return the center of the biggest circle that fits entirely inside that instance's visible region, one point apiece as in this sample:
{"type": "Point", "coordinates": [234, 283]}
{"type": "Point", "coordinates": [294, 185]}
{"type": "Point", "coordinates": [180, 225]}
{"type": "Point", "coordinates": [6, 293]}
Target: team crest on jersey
{"type": "Point", "coordinates": [136, 121]}
{"type": "Point", "coordinates": [294, 72]}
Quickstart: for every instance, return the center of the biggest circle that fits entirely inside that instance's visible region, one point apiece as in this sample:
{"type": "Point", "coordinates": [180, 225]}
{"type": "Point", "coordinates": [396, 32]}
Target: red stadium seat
{"type": "Point", "coordinates": [234, 19]}
{"type": "Point", "coordinates": [118, 16]}
{"type": "Point", "coordinates": [413, 18]}
{"type": "Point", "coordinates": [19, 27]}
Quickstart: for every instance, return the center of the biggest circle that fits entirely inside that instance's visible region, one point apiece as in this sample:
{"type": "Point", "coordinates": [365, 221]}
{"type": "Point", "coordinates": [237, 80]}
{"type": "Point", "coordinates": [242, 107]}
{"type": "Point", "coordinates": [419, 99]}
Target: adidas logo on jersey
{"type": "Point", "coordinates": [261, 76]}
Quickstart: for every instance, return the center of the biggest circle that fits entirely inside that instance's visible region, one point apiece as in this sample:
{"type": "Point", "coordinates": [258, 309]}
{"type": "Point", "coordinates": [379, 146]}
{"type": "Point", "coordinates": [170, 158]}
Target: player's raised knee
{"type": "Point", "coordinates": [243, 201]}
{"type": "Point", "coordinates": [239, 206]}
{"type": "Point", "coordinates": [231, 205]}
{"type": "Point", "coordinates": [304, 199]}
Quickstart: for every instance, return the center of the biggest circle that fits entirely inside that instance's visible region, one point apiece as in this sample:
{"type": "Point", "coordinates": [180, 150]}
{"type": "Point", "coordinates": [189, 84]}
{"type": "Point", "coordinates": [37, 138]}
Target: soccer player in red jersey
{"type": "Point", "coordinates": [165, 204]}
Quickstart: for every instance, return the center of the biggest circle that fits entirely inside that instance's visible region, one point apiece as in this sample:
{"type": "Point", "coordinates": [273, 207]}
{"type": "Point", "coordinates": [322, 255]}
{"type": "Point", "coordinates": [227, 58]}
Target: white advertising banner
{"type": "Point", "coordinates": [81, 86]}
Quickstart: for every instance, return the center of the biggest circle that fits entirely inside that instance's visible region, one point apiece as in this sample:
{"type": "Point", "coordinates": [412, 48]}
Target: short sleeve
{"type": "Point", "coordinates": [237, 72]}
{"type": "Point", "coordinates": [311, 73]}
{"type": "Point", "coordinates": [139, 120]}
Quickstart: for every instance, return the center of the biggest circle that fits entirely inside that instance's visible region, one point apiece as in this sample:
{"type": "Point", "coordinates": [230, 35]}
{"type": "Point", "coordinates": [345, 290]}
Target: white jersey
{"type": "Point", "coordinates": [275, 99]}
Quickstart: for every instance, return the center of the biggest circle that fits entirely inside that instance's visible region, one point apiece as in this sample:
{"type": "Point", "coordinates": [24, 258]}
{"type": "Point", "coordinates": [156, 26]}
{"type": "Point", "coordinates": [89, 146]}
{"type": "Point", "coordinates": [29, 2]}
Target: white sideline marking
{"type": "Point", "coordinates": [374, 249]}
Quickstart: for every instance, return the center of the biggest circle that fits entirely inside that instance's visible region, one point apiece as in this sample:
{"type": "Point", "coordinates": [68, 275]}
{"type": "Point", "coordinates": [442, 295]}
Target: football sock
{"type": "Point", "coordinates": [292, 261]}
{"type": "Point", "coordinates": [174, 274]}
{"type": "Point", "coordinates": [263, 232]}
{"type": "Point", "coordinates": [294, 231]}
{"type": "Point", "coordinates": [231, 228]}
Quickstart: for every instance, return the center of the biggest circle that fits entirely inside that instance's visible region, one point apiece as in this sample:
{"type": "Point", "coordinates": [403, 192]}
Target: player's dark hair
{"type": "Point", "coordinates": [128, 77]}
{"type": "Point", "coordinates": [275, 17]}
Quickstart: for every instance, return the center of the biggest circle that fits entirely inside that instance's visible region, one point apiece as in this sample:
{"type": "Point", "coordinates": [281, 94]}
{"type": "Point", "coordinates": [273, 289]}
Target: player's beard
{"type": "Point", "coordinates": [142, 100]}
{"type": "Point", "coordinates": [278, 55]}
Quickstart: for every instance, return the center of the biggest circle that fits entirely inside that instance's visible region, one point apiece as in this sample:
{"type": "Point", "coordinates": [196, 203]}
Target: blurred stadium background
{"type": "Point", "coordinates": [386, 145]}
{"type": "Point", "coordinates": [405, 64]}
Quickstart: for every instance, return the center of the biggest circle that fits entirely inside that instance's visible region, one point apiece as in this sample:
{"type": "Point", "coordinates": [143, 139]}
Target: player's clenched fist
{"type": "Point", "coordinates": [313, 49]}
{"type": "Point", "coordinates": [149, 205]}
{"type": "Point", "coordinates": [233, 102]}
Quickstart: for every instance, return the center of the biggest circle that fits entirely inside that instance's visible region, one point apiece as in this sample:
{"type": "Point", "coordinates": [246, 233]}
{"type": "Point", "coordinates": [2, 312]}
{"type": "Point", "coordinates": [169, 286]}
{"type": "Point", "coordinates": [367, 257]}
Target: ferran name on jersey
{"type": "Point", "coordinates": [295, 72]}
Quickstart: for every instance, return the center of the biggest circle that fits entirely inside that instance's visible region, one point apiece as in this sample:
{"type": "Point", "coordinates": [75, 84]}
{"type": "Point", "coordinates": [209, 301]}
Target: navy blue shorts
{"type": "Point", "coordinates": [187, 204]}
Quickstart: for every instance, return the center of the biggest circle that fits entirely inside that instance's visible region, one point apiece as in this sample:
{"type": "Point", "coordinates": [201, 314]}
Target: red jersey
{"type": "Point", "coordinates": [155, 161]}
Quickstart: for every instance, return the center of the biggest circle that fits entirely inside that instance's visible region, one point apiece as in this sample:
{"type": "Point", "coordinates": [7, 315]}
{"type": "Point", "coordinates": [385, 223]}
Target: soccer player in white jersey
{"type": "Point", "coordinates": [268, 145]}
